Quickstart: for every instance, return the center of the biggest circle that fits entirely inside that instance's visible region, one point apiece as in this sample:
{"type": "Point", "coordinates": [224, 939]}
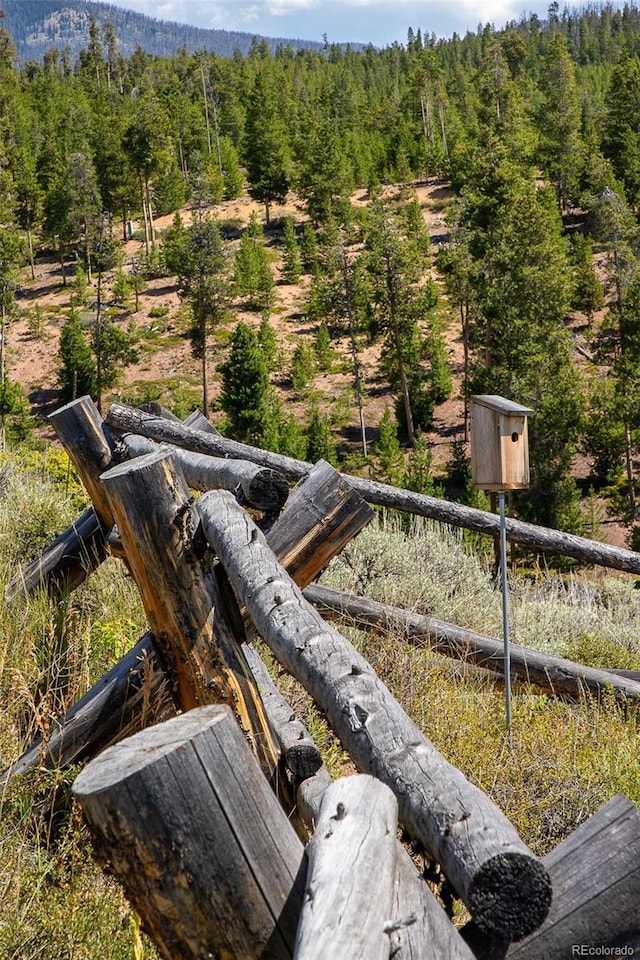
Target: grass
{"type": "Point", "coordinates": [568, 758]}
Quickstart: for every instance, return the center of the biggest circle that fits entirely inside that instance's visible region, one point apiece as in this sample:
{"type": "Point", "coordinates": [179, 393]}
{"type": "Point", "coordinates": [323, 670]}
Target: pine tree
{"type": "Point", "coordinates": [199, 256]}
{"type": "Point", "coordinates": [265, 147]}
{"type": "Point", "coordinates": [77, 370]}
{"type": "Point", "coordinates": [303, 366]}
{"type": "Point", "coordinates": [245, 383]}
{"type": "Point", "coordinates": [390, 463]}
{"type": "Point", "coordinates": [309, 247]}
{"type": "Point", "coordinates": [320, 442]}
{"type": "Point", "coordinates": [253, 275]}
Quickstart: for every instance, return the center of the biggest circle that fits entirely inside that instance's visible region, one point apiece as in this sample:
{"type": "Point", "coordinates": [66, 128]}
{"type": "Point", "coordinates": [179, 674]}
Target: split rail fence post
{"type": "Point", "coordinates": [189, 825]}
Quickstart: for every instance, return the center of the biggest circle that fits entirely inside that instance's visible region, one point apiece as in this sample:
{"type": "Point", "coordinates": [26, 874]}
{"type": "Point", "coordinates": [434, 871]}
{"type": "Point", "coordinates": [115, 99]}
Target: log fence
{"type": "Point", "coordinates": [205, 794]}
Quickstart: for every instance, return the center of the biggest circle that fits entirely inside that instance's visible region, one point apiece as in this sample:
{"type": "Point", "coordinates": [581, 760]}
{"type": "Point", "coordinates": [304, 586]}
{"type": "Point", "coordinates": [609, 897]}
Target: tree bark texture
{"type": "Point", "coordinates": [504, 887]}
{"type": "Point", "coordinates": [419, 926]}
{"type": "Point", "coordinates": [182, 594]}
{"type": "Point", "coordinates": [537, 538]}
{"type": "Point", "coordinates": [348, 896]}
{"type": "Point", "coordinates": [90, 446]}
{"type": "Point", "coordinates": [188, 824]}
{"type": "Point", "coordinates": [553, 674]}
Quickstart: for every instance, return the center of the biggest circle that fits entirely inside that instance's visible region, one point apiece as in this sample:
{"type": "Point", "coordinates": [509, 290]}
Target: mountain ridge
{"type": "Point", "coordinates": [38, 25]}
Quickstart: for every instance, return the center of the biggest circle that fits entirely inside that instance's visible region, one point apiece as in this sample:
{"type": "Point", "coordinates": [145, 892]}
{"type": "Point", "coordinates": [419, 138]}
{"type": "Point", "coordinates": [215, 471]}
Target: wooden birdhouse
{"type": "Point", "coordinates": [499, 443]}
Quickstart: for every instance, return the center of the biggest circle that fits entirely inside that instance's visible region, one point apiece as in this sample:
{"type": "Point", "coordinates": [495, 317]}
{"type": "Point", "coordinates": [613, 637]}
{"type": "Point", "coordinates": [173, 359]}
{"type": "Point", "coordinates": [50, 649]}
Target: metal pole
{"type": "Point", "coordinates": [505, 610]}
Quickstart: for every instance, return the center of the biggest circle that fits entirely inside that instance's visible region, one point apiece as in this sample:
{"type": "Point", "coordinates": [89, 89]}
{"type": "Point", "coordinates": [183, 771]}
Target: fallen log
{"type": "Point", "coordinates": [348, 894]}
{"type": "Point", "coordinates": [185, 820]}
{"type": "Point", "coordinates": [67, 562]}
{"type": "Point", "coordinates": [554, 674]}
{"type": "Point", "coordinates": [541, 539]}
{"type": "Point", "coordinates": [321, 516]}
{"type": "Point", "coordinates": [595, 875]}
{"type": "Point", "coordinates": [419, 926]}
{"type": "Point", "coordinates": [259, 487]}
{"type": "Point", "coordinates": [504, 887]}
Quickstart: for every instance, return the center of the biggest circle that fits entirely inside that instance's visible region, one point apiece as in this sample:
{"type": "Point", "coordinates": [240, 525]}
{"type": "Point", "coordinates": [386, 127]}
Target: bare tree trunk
{"type": "Point", "coordinates": [144, 215]}
{"type": "Point", "coordinates": [149, 211]}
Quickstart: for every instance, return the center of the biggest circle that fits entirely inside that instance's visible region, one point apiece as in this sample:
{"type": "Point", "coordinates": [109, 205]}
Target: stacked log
{"type": "Point", "coordinates": [183, 812]}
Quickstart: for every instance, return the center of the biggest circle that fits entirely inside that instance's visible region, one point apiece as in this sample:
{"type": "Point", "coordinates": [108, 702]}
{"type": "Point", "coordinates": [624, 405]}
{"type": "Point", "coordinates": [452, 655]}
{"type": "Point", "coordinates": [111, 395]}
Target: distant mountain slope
{"type": "Point", "coordinates": [36, 25]}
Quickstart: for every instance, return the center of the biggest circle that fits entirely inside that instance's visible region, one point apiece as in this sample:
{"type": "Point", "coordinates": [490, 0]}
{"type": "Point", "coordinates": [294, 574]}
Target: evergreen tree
{"type": "Point", "coordinates": [622, 133]}
{"type": "Point", "coordinates": [303, 366]}
{"type": "Point", "coordinates": [390, 463]}
{"type": "Point", "coordinates": [245, 383]}
{"type": "Point", "coordinates": [11, 257]}
{"type": "Point", "coordinates": [199, 257]}
{"type": "Point", "coordinates": [77, 370]}
{"type": "Point", "coordinates": [561, 148]}
{"type": "Point", "coordinates": [395, 269]}
{"type": "Point", "coordinates": [253, 275]}
{"type": "Point", "coordinates": [265, 150]}
{"type": "Point", "coordinates": [309, 247]}
{"type": "Point", "coordinates": [320, 442]}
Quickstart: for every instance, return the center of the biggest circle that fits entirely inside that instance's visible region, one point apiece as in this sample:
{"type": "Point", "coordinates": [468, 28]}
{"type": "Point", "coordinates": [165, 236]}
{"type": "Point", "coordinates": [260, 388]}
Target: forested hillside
{"type": "Point", "coordinates": [37, 25]}
{"type": "Point", "coordinates": [532, 291]}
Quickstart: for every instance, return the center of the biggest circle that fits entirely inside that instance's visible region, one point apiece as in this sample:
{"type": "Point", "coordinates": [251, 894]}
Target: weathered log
{"type": "Point", "coordinates": [159, 410]}
{"type": "Point", "coordinates": [321, 516]}
{"type": "Point", "coordinates": [554, 674]}
{"type": "Point", "coordinates": [299, 752]}
{"type": "Point", "coordinates": [132, 694]}
{"type": "Point", "coordinates": [505, 888]}
{"type": "Point", "coordinates": [182, 594]}
{"type": "Point", "coordinates": [90, 446]}
{"type": "Point", "coordinates": [595, 875]}
{"type": "Point", "coordinates": [537, 538]}
{"type": "Point", "coordinates": [259, 487]}
{"type": "Point", "coordinates": [67, 562]}
{"type": "Point", "coordinates": [185, 819]}
{"type": "Point", "coordinates": [419, 926]}
{"type": "Point", "coordinates": [83, 546]}
{"type": "Point", "coordinates": [350, 876]}
{"type": "Point", "coordinates": [197, 421]}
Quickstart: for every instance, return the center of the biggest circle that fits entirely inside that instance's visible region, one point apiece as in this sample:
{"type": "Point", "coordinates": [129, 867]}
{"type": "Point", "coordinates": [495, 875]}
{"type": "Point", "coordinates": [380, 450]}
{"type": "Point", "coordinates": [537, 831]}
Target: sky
{"type": "Point", "coordinates": [380, 22]}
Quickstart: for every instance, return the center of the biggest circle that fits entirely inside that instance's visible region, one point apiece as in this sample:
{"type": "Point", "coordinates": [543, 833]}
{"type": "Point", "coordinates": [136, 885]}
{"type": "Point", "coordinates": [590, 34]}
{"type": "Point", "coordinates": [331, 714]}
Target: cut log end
{"type": "Point", "coordinates": [268, 490]}
{"type": "Point", "coordinates": [303, 760]}
{"type": "Point", "coordinates": [510, 896]}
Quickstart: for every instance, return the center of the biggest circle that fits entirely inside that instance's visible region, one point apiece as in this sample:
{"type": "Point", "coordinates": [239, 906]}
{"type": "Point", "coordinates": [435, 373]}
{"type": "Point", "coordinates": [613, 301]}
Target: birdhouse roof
{"type": "Point", "coordinates": [501, 405]}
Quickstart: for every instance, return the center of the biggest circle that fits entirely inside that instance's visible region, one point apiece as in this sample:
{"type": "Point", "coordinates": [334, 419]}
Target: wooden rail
{"type": "Point", "coordinates": [542, 539]}
{"type": "Point", "coordinates": [554, 674]}
{"type": "Point", "coordinates": [503, 885]}
{"type": "Point", "coordinates": [184, 815]}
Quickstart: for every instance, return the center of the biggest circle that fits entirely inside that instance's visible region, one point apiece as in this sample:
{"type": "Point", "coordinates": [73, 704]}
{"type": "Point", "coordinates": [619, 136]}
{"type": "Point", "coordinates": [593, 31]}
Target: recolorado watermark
{"type": "Point", "coordinates": [587, 950]}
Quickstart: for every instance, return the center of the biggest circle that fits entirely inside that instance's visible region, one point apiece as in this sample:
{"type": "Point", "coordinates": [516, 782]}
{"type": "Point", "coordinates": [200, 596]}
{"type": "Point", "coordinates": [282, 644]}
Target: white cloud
{"type": "Point", "coordinates": [375, 21]}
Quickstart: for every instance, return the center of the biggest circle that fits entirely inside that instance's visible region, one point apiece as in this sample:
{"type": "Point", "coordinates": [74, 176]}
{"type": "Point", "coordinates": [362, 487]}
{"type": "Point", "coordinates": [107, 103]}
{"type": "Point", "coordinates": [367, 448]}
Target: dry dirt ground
{"type": "Point", "coordinates": [167, 371]}
{"type": "Point", "coordinates": [166, 364]}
